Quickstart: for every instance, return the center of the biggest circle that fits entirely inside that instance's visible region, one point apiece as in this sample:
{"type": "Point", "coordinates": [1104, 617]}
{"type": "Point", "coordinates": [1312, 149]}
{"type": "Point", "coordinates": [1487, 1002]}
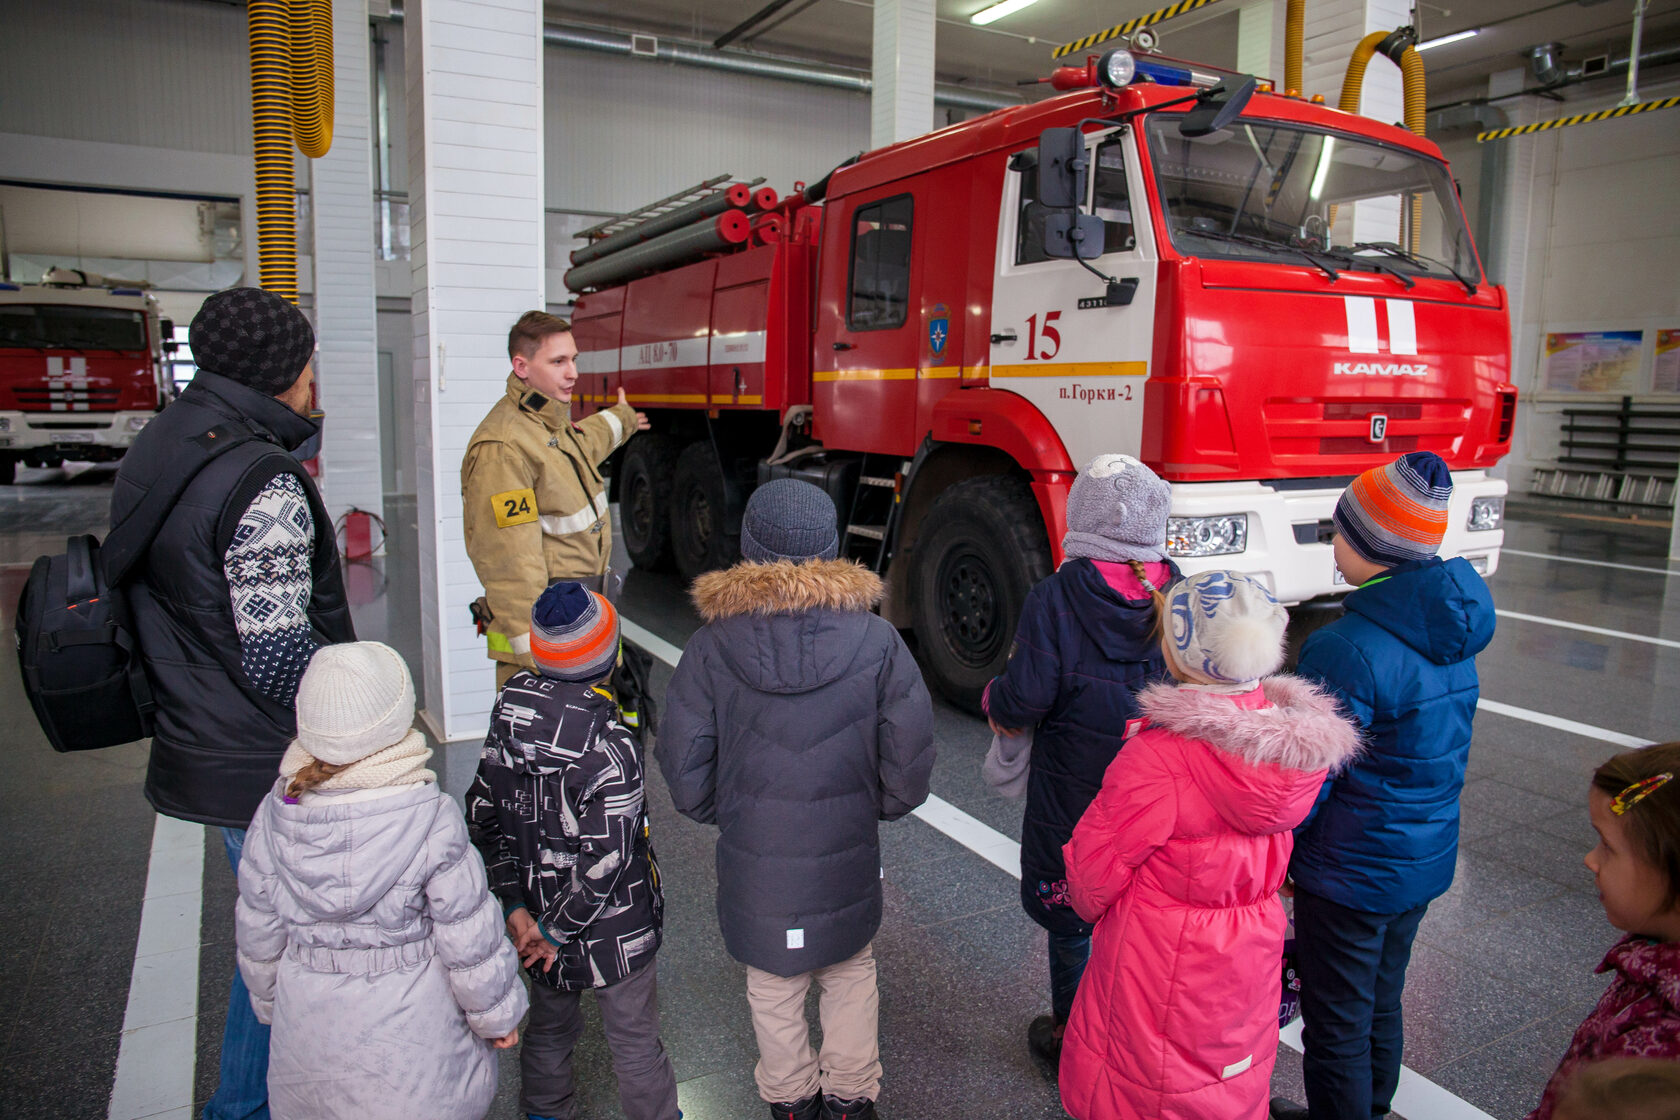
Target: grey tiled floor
{"type": "Point", "coordinates": [1501, 975]}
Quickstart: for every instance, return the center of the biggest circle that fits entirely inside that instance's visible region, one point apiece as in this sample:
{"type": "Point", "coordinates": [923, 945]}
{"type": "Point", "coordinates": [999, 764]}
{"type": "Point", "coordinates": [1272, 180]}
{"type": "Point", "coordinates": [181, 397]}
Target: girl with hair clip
{"type": "Point", "coordinates": [1086, 644]}
{"type": "Point", "coordinates": [1634, 803]}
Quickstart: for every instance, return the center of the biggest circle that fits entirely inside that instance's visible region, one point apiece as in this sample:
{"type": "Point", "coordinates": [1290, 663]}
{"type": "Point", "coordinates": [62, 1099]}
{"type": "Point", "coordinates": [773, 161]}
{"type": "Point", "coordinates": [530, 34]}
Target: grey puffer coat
{"type": "Point", "coordinates": [370, 941]}
{"type": "Point", "coordinates": [796, 721]}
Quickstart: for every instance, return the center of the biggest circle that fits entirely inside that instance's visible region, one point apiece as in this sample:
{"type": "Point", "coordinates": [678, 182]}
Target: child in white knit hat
{"type": "Point", "coordinates": [367, 933]}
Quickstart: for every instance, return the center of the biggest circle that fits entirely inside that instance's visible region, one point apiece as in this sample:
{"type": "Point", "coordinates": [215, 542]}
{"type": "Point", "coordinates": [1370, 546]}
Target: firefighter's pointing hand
{"type": "Point", "coordinates": [642, 424]}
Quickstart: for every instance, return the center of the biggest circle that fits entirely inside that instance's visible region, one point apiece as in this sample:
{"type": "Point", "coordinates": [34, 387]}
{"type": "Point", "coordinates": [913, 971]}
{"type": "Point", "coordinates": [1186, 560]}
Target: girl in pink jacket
{"type": "Point", "coordinates": [1178, 862]}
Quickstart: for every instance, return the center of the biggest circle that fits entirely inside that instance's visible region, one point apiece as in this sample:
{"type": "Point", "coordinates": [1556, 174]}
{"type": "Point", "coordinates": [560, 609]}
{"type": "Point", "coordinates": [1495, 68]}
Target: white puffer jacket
{"type": "Point", "coordinates": [369, 939]}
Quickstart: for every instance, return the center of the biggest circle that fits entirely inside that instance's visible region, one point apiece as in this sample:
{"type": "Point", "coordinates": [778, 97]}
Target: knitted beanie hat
{"type": "Point", "coordinates": [1226, 628]}
{"type": "Point", "coordinates": [253, 337]}
{"type": "Point", "coordinates": [574, 634]}
{"type": "Point", "coordinates": [355, 698]}
{"type": "Point", "coordinates": [1397, 513]}
{"type": "Point", "coordinates": [789, 519]}
{"type": "Point", "coordinates": [1117, 510]}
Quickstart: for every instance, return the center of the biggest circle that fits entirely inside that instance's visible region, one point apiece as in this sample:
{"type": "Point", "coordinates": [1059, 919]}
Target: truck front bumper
{"type": "Point", "coordinates": [1288, 545]}
{"type": "Point", "coordinates": [66, 434]}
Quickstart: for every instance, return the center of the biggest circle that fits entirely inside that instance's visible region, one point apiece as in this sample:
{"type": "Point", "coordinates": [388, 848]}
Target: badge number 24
{"type": "Point", "coordinates": [514, 507]}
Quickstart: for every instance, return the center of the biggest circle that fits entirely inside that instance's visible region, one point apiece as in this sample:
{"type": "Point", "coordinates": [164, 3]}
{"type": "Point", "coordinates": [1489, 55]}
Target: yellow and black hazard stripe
{"type": "Point", "coordinates": [1579, 118]}
{"type": "Point", "coordinates": [1171, 11]}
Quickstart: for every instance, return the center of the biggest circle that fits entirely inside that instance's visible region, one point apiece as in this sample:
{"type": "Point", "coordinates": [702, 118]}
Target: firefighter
{"type": "Point", "coordinates": [534, 503]}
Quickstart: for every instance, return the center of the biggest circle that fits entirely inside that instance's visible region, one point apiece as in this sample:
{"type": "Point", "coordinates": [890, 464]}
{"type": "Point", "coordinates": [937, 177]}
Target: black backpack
{"type": "Point", "coordinates": [82, 668]}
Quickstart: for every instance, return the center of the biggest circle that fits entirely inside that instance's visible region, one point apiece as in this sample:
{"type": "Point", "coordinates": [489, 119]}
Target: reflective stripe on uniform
{"type": "Point", "coordinates": [518, 645]}
{"type": "Point", "coordinates": [617, 427]}
{"type": "Point", "coordinates": [575, 522]}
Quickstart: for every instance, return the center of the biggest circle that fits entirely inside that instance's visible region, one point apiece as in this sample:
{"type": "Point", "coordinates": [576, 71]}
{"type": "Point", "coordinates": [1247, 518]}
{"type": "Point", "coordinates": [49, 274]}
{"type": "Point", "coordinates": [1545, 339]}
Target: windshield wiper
{"type": "Point", "coordinates": [1270, 246]}
{"type": "Point", "coordinates": [1390, 249]}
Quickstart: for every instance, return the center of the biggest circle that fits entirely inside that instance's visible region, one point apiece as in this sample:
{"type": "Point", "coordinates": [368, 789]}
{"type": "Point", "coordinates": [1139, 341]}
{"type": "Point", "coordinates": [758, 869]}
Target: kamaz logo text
{"type": "Point", "coordinates": [1381, 369]}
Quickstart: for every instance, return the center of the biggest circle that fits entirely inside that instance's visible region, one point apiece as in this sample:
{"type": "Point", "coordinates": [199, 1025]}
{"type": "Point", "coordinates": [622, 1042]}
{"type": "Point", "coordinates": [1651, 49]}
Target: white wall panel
{"type": "Point", "coordinates": [902, 66]}
{"type": "Point", "coordinates": [150, 73]}
{"type": "Point", "coordinates": [624, 132]}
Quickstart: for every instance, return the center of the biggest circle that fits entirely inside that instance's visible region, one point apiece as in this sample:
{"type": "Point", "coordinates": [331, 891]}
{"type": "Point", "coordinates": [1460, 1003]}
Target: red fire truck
{"type": "Point", "coordinates": [81, 372]}
{"type": "Point", "coordinates": [1255, 294]}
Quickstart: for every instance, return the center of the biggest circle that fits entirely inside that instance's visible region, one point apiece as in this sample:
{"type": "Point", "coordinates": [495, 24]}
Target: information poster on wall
{"type": "Point", "coordinates": [1593, 361]}
{"type": "Point", "coordinates": [1667, 376]}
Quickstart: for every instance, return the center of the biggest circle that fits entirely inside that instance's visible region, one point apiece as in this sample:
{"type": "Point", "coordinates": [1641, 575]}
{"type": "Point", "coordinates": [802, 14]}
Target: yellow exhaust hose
{"type": "Point", "coordinates": [291, 98]}
{"type": "Point", "coordinates": [1295, 21]}
{"type": "Point", "coordinates": [1412, 81]}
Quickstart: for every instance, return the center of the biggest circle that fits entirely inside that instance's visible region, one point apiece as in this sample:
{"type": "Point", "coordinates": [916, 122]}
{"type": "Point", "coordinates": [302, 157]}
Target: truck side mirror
{"type": "Point", "coordinates": [1218, 106]}
{"type": "Point", "coordinates": [1071, 234]}
{"type": "Point", "coordinates": [1062, 164]}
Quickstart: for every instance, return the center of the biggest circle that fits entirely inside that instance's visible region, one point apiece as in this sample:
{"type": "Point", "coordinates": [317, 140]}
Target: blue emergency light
{"type": "Point", "coordinates": [1120, 67]}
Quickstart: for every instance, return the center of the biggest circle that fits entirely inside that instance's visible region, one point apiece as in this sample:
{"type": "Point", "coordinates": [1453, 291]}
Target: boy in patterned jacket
{"type": "Point", "coordinates": [558, 810]}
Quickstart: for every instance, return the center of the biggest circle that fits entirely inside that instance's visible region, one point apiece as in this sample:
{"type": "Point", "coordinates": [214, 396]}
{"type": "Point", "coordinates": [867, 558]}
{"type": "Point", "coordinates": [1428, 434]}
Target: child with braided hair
{"type": "Point", "coordinates": [1087, 643]}
{"type": "Point", "coordinates": [1634, 803]}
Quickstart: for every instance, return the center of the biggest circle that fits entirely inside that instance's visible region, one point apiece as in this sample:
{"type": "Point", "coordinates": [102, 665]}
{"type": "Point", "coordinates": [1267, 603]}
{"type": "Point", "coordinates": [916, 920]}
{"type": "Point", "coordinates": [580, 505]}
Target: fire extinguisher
{"type": "Point", "coordinates": [360, 534]}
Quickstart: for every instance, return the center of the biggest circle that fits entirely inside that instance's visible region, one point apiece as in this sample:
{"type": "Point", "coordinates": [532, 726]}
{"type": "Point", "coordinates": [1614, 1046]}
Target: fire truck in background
{"type": "Point", "coordinates": [81, 370]}
{"type": "Point", "coordinates": [1255, 294]}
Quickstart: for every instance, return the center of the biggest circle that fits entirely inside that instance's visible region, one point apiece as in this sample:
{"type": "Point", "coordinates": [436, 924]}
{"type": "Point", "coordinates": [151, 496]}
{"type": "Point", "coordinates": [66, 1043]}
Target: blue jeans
{"type": "Point", "coordinates": [242, 1093]}
{"type": "Point", "coordinates": [1069, 953]}
{"type": "Point", "coordinates": [1353, 968]}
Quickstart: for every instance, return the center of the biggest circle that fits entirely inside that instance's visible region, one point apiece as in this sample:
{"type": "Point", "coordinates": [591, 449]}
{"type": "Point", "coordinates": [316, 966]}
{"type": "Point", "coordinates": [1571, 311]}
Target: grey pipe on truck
{"type": "Point", "coordinates": [736, 196]}
{"type": "Point", "coordinates": [710, 235]}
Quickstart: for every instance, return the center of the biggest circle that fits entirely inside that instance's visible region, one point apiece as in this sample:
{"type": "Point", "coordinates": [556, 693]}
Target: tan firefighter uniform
{"type": "Point", "coordinates": [535, 507]}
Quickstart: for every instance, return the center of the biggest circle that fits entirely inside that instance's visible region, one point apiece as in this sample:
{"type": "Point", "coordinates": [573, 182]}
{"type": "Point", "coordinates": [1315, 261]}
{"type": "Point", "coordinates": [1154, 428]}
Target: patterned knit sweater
{"type": "Point", "coordinates": [268, 573]}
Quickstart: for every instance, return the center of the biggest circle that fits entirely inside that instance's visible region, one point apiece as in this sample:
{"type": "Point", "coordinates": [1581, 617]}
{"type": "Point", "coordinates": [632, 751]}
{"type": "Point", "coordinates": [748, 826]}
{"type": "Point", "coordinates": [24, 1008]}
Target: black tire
{"type": "Point", "coordinates": [644, 500]}
{"type": "Point", "coordinates": [982, 547]}
{"type": "Point", "coordinates": [699, 513]}
{"type": "Point", "coordinates": [8, 470]}
{"type": "Point", "coordinates": [1306, 619]}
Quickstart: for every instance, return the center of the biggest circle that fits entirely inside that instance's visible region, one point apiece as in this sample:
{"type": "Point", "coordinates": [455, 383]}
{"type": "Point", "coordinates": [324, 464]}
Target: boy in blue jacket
{"type": "Point", "coordinates": [1382, 841]}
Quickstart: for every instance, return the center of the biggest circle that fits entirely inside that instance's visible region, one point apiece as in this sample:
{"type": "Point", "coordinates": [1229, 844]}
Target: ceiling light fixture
{"type": "Point", "coordinates": [1455, 37]}
{"type": "Point", "coordinates": [998, 11]}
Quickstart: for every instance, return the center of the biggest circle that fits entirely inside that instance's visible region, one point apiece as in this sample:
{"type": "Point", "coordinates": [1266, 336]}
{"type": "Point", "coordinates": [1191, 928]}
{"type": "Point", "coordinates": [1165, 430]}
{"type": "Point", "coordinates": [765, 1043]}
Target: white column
{"type": "Point", "coordinates": [1334, 28]}
{"type": "Point", "coordinates": [1260, 40]}
{"type": "Point", "coordinates": [475, 183]}
{"type": "Point", "coordinates": [348, 370]}
{"type": "Point", "coordinates": [901, 105]}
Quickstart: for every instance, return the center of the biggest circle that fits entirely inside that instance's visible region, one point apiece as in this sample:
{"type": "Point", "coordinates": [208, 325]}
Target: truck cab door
{"type": "Point", "coordinates": [1084, 368]}
{"type": "Point", "coordinates": [866, 343]}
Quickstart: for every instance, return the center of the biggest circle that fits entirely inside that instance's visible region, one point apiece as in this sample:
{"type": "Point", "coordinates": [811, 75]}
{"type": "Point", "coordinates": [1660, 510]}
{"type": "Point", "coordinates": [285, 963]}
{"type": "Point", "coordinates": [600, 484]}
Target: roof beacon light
{"type": "Point", "coordinates": [1117, 68]}
{"type": "Point", "coordinates": [1162, 74]}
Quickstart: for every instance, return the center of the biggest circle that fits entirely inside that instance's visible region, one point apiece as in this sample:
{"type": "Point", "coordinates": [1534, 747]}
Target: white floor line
{"type": "Point", "coordinates": [1595, 563]}
{"type": "Point", "coordinates": [1417, 1096]}
{"type": "Point", "coordinates": [1667, 643]}
{"type": "Point", "coordinates": [159, 1051]}
{"type": "Point", "coordinates": [1586, 730]}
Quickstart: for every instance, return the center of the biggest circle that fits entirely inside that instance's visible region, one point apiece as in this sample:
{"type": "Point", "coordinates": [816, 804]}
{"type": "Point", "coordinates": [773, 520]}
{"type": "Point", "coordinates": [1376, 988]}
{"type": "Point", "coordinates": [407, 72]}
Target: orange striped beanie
{"type": "Point", "coordinates": [574, 634]}
{"type": "Point", "coordinates": [1397, 513]}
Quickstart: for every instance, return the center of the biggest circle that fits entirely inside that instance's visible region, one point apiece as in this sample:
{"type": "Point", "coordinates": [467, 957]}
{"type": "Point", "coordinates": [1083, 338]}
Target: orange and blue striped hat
{"type": "Point", "coordinates": [574, 634]}
{"type": "Point", "coordinates": [1397, 513]}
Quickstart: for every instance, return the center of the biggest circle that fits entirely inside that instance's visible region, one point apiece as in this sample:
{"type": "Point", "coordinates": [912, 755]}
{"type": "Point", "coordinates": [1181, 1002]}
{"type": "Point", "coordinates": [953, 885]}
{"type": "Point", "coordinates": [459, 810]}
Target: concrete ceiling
{"type": "Point", "coordinates": [1017, 48]}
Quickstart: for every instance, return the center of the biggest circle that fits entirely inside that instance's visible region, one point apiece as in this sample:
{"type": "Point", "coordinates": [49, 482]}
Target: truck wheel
{"type": "Point", "coordinates": [8, 470]}
{"type": "Point", "coordinates": [981, 549]}
{"type": "Point", "coordinates": [644, 500]}
{"type": "Point", "coordinates": [699, 513]}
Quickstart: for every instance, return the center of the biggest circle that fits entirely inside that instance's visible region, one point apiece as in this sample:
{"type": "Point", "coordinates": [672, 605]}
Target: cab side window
{"type": "Point", "coordinates": [1109, 200]}
{"type": "Point", "coordinates": [879, 296]}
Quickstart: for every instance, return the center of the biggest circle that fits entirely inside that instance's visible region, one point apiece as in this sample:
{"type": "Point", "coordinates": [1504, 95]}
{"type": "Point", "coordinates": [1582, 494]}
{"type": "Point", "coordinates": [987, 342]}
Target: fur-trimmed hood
{"type": "Point", "coordinates": [1267, 748]}
{"type": "Point", "coordinates": [786, 587]}
{"type": "Point", "coordinates": [790, 627]}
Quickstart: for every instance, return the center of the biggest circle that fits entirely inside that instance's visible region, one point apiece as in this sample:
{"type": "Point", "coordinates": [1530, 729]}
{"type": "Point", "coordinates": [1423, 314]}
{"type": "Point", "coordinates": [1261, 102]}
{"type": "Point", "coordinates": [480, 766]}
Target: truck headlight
{"type": "Point", "coordinates": [1486, 513]}
{"type": "Point", "coordinates": [1207, 536]}
{"type": "Point", "coordinates": [5, 423]}
{"type": "Point", "coordinates": [135, 423]}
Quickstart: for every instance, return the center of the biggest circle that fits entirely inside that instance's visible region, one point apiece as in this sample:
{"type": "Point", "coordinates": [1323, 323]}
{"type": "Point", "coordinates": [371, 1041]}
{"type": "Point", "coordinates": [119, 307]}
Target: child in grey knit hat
{"type": "Point", "coordinates": [1086, 643]}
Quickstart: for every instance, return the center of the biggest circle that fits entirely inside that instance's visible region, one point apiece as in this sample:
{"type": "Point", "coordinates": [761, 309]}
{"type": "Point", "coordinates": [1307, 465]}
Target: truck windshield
{"type": "Point", "coordinates": [1268, 191]}
{"type": "Point", "coordinates": [50, 327]}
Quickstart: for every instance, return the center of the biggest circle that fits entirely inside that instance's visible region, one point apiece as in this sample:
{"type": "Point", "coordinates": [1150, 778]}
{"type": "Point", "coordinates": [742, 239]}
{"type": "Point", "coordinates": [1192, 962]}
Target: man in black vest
{"type": "Point", "coordinates": [238, 590]}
